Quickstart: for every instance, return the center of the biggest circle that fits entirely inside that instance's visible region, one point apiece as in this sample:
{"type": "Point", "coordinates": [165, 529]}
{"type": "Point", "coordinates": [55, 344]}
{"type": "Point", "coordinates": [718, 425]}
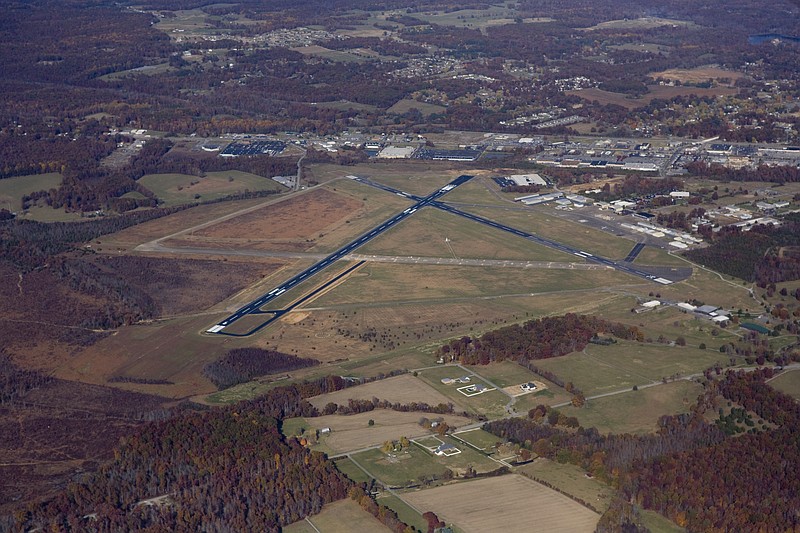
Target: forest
{"type": "Point", "coordinates": [753, 484]}
{"type": "Point", "coordinates": [243, 364]}
{"type": "Point", "coordinates": [536, 339]}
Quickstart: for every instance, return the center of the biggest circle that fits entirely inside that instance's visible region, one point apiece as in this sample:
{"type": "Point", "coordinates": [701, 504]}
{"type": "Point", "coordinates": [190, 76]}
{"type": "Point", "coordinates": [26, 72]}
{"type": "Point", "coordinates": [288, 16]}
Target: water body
{"type": "Point", "coordinates": [763, 37]}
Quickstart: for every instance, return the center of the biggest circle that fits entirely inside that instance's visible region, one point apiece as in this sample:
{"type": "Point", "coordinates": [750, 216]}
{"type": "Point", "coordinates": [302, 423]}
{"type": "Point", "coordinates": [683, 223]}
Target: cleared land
{"type": "Point", "coordinates": [601, 369]}
{"type": "Point", "coordinates": [505, 373]}
{"type": "Point", "coordinates": [490, 403]}
{"type": "Point", "coordinates": [655, 91]}
{"type": "Point", "coordinates": [177, 189]}
{"type": "Point", "coordinates": [403, 389]}
{"type": "Point", "coordinates": [343, 516]}
{"type": "Point", "coordinates": [353, 432]}
{"type": "Point", "coordinates": [697, 75]}
{"type": "Point", "coordinates": [13, 189]}
{"type": "Point", "coordinates": [504, 504]}
{"type": "Point", "coordinates": [572, 480]}
{"type": "Point", "coordinates": [789, 383]}
{"type": "Point", "coordinates": [434, 233]}
{"type": "Point", "coordinates": [404, 106]}
{"type": "Point", "coordinates": [636, 411]}
{"type": "Point", "coordinates": [638, 24]}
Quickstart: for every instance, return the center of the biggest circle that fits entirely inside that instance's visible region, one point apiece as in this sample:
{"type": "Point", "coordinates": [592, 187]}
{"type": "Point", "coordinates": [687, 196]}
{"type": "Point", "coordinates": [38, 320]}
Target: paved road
{"type": "Point", "coordinates": [254, 307]}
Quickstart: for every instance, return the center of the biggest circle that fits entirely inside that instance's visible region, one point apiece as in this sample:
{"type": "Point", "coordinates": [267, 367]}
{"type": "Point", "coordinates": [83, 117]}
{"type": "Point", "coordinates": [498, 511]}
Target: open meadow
{"type": "Point", "coordinates": [505, 503]}
{"type": "Point", "coordinates": [343, 516]}
{"type": "Point", "coordinates": [404, 389]}
{"type": "Point", "coordinates": [788, 383]}
{"type": "Point", "coordinates": [570, 479]}
{"type": "Point", "coordinates": [177, 189]}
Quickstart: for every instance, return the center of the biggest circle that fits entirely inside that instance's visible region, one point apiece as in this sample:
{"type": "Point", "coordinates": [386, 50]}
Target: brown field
{"type": "Point", "coordinates": [296, 217]}
{"type": "Point", "coordinates": [696, 75]}
{"type": "Point", "coordinates": [638, 24]}
{"type": "Point", "coordinates": [403, 389]}
{"type": "Point", "coordinates": [343, 516]}
{"type": "Point", "coordinates": [352, 432]}
{"type": "Point", "coordinates": [656, 91]}
{"type": "Point", "coordinates": [788, 383]}
{"type": "Point", "coordinates": [505, 503]}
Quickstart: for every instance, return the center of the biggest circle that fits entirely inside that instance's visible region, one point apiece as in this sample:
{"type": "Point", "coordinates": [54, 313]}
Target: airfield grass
{"type": "Point", "coordinates": [13, 189]}
{"type": "Point", "coordinates": [636, 411]}
{"type": "Point", "coordinates": [434, 233]}
{"type": "Point", "coordinates": [491, 403]}
{"type": "Point", "coordinates": [602, 369]}
{"type": "Point", "coordinates": [387, 282]}
{"type": "Point", "coordinates": [412, 176]}
{"type": "Point", "coordinates": [547, 225]}
{"type": "Point", "coordinates": [788, 383]}
{"type": "Point", "coordinates": [656, 256]}
{"type": "Point", "coordinates": [481, 190]}
{"type": "Point", "coordinates": [570, 479]}
{"type": "Point", "coordinates": [178, 189]}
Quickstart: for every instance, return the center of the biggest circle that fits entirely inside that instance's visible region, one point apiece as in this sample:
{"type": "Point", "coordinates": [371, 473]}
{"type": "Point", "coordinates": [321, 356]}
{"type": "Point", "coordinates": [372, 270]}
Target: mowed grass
{"type": "Point", "coordinates": [602, 369]}
{"type": "Point", "coordinates": [788, 383]}
{"type": "Point", "coordinates": [349, 468]}
{"type": "Point", "coordinates": [481, 439]}
{"type": "Point", "coordinates": [636, 411]}
{"type": "Point", "coordinates": [572, 480]}
{"type": "Point", "coordinates": [435, 233]}
{"type": "Point", "coordinates": [505, 373]}
{"type": "Point", "coordinates": [481, 190]}
{"type": "Point", "coordinates": [397, 282]}
{"type": "Point", "coordinates": [659, 524]}
{"type": "Point", "coordinates": [405, 105]}
{"type": "Point", "coordinates": [656, 256]}
{"type": "Point", "coordinates": [13, 189]}
{"type": "Point", "coordinates": [407, 467]}
{"type": "Point", "coordinates": [505, 503]}
{"type": "Point", "coordinates": [539, 221]}
{"type": "Point", "coordinates": [491, 403]}
{"type": "Point", "coordinates": [343, 516]}
{"type": "Point", "coordinates": [405, 512]}
{"type": "Point", "coordinates": [178, 189]}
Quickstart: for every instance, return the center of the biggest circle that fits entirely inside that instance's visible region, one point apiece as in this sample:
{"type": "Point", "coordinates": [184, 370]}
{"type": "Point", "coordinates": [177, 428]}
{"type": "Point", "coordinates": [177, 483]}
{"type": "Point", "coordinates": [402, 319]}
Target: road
{"type": "Point", "coordinates": [254, 307]}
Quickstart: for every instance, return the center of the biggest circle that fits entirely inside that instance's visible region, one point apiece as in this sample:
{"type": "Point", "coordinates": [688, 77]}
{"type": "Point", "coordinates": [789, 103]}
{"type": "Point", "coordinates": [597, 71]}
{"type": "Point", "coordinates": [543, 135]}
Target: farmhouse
{"type": "Point", "coordinates": [446, 450]}
{"type": "Point", "coordinates": [528, 387]}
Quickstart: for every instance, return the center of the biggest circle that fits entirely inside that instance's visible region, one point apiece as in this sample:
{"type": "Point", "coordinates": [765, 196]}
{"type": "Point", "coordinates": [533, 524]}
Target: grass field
{"type": "Point", "coordinates": [655, 91]}
{"type": "Point", "coordinates": [636, 411]}
{"type": "Point", "coordinates": [490, 403]}
{"type": "Point", "coordinates": [177, 189]}
{"type": "Point", "coordinates": [405, 105]}
{"type": "Point", "coordinates": [601, 369]}
{"type": "Point", "coordinates": [13, 189]}
{"type": "Point", "coordinates": [659, 524]}
{"type": "Point", "coordinates": [343, 516]}
{"type": "Point", "coordinates": [505, 373]}
{"type": "Point", "coordinates": [353, 432]}
{"type": "Point", "coordinates": [349, 468]}
{"type": "Point", "coordinates": [404, 511]}
{"type": "Point", "coordinates": [435, 233]}
{"type": "Point", "coordinates": [789, 383]}
{"type": "Point", "coordinates": [482, 190]}
{"type": "Point", "coordinates": [572, 480]}
{"type": "Point", "coordinates": [505, 503]}
{"type": "Point", "coordinates": [404, 389]}
{"type": "Point", "coordinates": [657, 256]}
{"type": "Point", "coordinates": [395, 282]}
{"type": "Point", "coordinates": [481, 439]}
{"type": "Point", "coordinates": [545, 224]}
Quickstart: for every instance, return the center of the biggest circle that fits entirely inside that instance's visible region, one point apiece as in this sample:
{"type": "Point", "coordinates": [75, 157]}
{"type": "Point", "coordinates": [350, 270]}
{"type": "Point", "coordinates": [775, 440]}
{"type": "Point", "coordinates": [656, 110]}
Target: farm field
{"type": "Point", "coordinates": [601, 369]}
{"type": "Point", "coordinates": [434, 233]}
{"type": "Point", "coordinates": [504, 503]}
{"type": "Point", "coordinates": [177, 189]}
{"type": "Point", "coordinates": [343, 516]}
{"type": "Point", "coordinates": [544, 224]}
{"type": "Point", "coordinates": [655, 91]}
{"type": "Point", "coordinates": [404, 389]}
{"type": "Point", "coordinates": [788, 382]}
{"type": "Point", "coordinates": [697, 75]}
{"type": "Point", "coordinates": [353, 432]}
{"type": "Point", "coordinates": [404, 106]}
{"type": "Point", "coordinates": [636, 411]}
{"type": "Point", "coordinates": [570, 479]}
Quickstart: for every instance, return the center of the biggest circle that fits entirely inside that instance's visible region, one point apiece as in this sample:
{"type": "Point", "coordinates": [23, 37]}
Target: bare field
{"type": "Point", "coordinates": [696, 75]}
{"type": "Point", "coordinates": [297, 217]}
{"type": "Point", "coordinates": [352, 432]}
{"type": "Point", "coordinates": [403, 389]}
{"type": "Point", "coordinates": [505, 503]}
{"type": "Point", "coordinates": [655, 91]}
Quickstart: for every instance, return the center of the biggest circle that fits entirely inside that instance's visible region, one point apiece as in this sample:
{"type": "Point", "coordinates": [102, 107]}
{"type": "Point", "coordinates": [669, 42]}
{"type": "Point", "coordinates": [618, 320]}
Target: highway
{"type": "Point", "coordinates": [254, 307]}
